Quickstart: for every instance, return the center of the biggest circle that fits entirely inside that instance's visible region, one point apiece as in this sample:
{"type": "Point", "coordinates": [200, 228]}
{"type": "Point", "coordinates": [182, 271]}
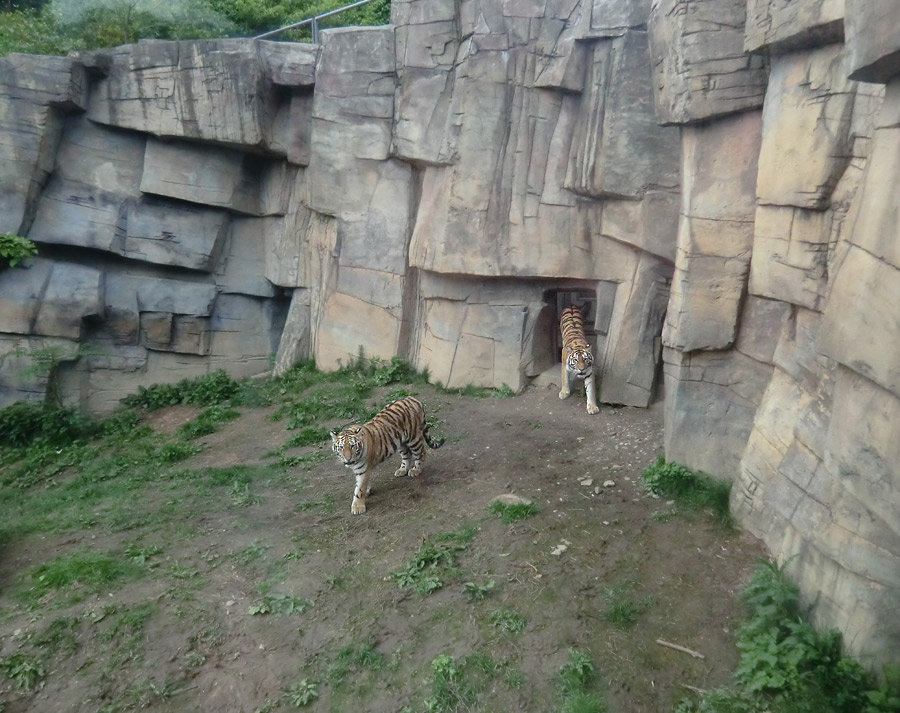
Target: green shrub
{"type": "Point", "coordinates": [512, 512]}
{"type": "Point", "coordinates": [14, 248]}
{"type": "Point", "coordinates": [207, 390]}
{"type": "Point", "coordinates": [786, 666]}
{"type": "Point", "coordinates": [26, 422]}
{"type": "Point", "coordinates": [690, 489]}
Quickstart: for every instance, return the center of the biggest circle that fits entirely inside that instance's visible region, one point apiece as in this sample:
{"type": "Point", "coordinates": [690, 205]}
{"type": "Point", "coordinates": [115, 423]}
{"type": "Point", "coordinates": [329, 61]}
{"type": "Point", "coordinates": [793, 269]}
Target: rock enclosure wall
{"type": "Point", "coordinates": [780, 337]}
{"type": "Point", "coordinates": [713, 179]}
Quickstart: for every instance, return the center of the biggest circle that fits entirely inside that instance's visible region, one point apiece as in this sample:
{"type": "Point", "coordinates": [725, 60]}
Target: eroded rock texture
{"type": "Point", "coordinates": [780, 369]}
{"type": "Point", "coordinates": [713, 180]}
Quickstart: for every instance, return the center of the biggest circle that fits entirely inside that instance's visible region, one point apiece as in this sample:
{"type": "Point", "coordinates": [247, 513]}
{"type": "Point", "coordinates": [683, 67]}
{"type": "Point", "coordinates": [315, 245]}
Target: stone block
{"type": "Point", "coordinates": [790, 255]}
{"type": "Point", "coordinates": [211, 90]}
{"type": "Point", "coordinates": [348, 323]}
{"type": "Point", "coordinates": [877, 219]}
{"type": "Point", "coordinates": [700, 70]}
{"type": "Point", "coordinates": [22, 377]}
{"type": "Point", "coordinates": [778, 26]}
{"type": "Point", "coordinates": [245, 332]}
{"type": "Point", "coordinates": [50, 299]}
{"type": "Point", "coordinates": [710, 402]}
{"type": "Point", "coordinates": [861, 326]}
{"type": "Point", "coordinates": [618, 149]}
{"type": "Point", "coordinates": [35, 94]}
{"type": "Point", "coordinates": [427, 41]}
{"type": "Point", "coordinates": [289, 64]}
{"type": "Point", "coordinates": [762, 326]}
{"type": "Point", "coordinates": [168, 233]}
{"type": "Point", "coordinates": [97, 170]}
{"type": "Point", "coordinates": [216, 176]}
{"type": "Point", "coordinates": [611, 18]}
{"type": "Point", "coordinates": [633, 348]}
{"type": "Point", "coordinates": [806, 128]}
{"type": "Point", "coordinates": [242, 268]}
{"type": "Point", "coordinates": [296, 338]}
{"type": "Point", "coordinates": [715, 235]}
{"type": "Point", "coordinates": [873, 46]}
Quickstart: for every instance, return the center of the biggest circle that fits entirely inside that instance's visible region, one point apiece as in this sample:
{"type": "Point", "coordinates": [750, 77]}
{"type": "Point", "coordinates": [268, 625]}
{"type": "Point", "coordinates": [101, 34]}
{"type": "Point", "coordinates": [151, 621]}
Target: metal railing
{"type": "Point", "coordinates": [314, 21]}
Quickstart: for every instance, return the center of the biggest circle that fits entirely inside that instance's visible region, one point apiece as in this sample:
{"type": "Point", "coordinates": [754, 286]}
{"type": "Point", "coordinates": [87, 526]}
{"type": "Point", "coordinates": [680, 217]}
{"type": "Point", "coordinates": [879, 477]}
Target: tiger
{"type": "Point", "coordinates": [577, 360]}
{"type": "Point", "coordinates": [400, 424]}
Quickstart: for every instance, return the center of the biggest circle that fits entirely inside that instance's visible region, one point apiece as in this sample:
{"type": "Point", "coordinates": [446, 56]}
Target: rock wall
{"type": "Point", "coordinates": [780, 338]}
{"type": "Point", "coordinates": [712, 179]}
{"type": "Point", "coordinates": [429, 189]}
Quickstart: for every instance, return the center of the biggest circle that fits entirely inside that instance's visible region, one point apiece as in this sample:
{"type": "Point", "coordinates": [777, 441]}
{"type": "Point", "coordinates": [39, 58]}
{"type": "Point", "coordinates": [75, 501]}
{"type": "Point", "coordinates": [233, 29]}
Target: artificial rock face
{"type": "Point", "coordinates": [778, 366]}
{"type": "Point", "coordinates": [713, 180]}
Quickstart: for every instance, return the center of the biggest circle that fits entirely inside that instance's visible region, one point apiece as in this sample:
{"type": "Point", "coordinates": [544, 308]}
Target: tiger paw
{"type": "Point", "coordinates": [593, 408]}
{"type": "Point", "coordinates": [358, 507]}
{"type": "Point", "coordinates": [413, 472]}
{"type": "Point", "coordinates": [400, 472]}
{"type": "Point", "coordinates": [564, 394]}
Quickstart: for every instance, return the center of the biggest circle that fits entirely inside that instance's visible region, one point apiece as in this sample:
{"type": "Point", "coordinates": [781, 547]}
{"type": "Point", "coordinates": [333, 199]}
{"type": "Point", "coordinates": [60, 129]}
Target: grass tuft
{"type": "Point", "coordinates": [691, 490]}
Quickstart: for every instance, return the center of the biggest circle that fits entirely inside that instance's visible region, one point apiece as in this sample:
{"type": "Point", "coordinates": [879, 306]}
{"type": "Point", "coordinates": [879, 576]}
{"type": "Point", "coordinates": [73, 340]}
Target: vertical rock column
{"type": "Point", "coordinates": [705, 82]}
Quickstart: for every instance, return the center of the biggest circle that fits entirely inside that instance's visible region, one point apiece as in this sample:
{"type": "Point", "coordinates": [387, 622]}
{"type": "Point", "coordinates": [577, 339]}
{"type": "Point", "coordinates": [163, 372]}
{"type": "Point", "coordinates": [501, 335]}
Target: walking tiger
{"type": "Point", "coordinates": [577, 360]}
{"type": "Point", "coordinates": [400, 424]}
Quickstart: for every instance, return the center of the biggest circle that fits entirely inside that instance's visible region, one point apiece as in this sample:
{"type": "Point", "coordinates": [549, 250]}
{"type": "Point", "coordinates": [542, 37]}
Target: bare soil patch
{"type": "Point", "coordinates": [262, 580]}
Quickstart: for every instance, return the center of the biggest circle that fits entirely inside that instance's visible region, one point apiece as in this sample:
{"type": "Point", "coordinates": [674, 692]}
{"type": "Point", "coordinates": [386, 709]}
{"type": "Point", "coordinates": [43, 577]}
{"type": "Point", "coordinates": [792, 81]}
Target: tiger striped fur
{"type": "Point", "coordinates": [577, 360]}
{"type": "Point", "coordinates": [400, 424]}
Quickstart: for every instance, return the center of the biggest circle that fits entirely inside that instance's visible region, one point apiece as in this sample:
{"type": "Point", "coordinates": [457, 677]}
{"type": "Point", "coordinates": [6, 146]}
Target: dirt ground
{"type": "Point", "coordinates": [597, 537]}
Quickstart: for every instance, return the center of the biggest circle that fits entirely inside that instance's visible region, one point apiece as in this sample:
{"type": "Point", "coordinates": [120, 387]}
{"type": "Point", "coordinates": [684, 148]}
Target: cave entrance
{"type": "Point", "coordinates": [557, 300]}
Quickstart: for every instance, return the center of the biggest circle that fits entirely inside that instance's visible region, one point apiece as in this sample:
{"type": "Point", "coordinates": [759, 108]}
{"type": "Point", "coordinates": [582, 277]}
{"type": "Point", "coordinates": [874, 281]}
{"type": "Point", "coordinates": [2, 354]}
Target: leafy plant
{"type": "Point", "coordinates": [26, 422]}
{"type": "Point", "coordinates": [426, 571]}
{"type": "Point", "coordinates": [207, 390]}
{"type": "Point", "coordinates": [512, 512]}
{"type": "Point", "coordinates": [690, 489]}
{"type": "Point", "coordinates": [14, 248]}
{"type": "Point", "coordinates": [574, 683]}
{"type": "Point", "coordinates": [280, 603]}
{"type": "Point", "coordinates": [478, 592]}
{"type": "Point", "coordinates": [25, 671]}
{"type": "Point", "coordinates": [508, 620]}
{"type": "Point", "coordinates": [207, 421]}
{"type": "Point", "coordinates": [355, 656]}
{"type": "Point", "coordinates": [302, 693]}
{"type": "Point", "coordinates": [787, 666]}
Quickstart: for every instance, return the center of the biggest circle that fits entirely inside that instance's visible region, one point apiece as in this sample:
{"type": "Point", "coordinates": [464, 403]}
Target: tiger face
{"type": "Point", "coordinates": [347, 445]}
{"type": "Point", "coordinates": [579, 361]}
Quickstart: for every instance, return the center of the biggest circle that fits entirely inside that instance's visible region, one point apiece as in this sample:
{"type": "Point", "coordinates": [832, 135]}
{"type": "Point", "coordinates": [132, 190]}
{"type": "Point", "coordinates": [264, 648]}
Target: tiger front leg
{"type": "Point", "coordinates": [404, 463]}
{"type": "Point", "coordinates": [591, 394]}
{"type": "Point", "coordinates": [358, 506]}
{"type": "Point", "coordinates": [565, 389]}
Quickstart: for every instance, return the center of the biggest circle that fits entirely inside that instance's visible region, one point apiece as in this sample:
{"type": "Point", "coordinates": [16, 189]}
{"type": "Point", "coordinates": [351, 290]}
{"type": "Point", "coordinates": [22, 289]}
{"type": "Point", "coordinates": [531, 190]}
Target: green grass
{"type": "Point", "coordinates": [786, 666]}
{"type": "Point", "coordinates": [512, 512]}
{"type": "Point", "coordinates": [507, 620]}
{"type": "Point", "coordinates": [434, 561]}
{"type": "Point", "coordinates": [692, 491]}
{"type": "Point", "coordinates": [78, 574]}
{"type": "Point", "coordinates": [456, 684]}
{"type": "Point", "coordinates": [623, 607]}
{"type": "Point", "coordinates": [576, 684]}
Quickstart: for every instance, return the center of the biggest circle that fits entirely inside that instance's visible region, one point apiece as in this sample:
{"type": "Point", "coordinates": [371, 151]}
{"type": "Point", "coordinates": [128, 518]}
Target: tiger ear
{"type": "Point", "coordinates": [568, 349]}
{"type": "Point", "coordinates": [334, 436]}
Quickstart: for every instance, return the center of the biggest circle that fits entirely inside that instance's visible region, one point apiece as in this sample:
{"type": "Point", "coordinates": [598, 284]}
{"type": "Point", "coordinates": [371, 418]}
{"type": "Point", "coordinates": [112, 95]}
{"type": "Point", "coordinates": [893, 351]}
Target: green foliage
{"type": "Point", "coordinates": [455, 684]}
{"type": "Point", "coordinates": [302, 693]}
{"type": "Point", "coordinates": [426, 571]}
{"type": "Point", "coordinates": [691, 490]}
{"type": "Point", "coordinates": [280, 603]}
{"type": "Point", "coordinates": [574, 683]}
{"type": "Point", "coordinates": [479, 592]}
{"type": "Point", "coordinates": [26, 422]}
{"type": "Point", "coordinates": [14, 248]}
{"type": "Point", "coordinates": [512, 512]}
{"type": "Point", "coordinates": [25, 671]}
{"type": "Point", "coordinates": [788, 667]}
{"type": "Point", "coordinates": [507, 620]}
{"type": "Point", "coordinates": [355, 657]}
{"type": "Point", "coordinates": [623, 606]}
{"type": "Point", "coordinates": [207, 390]}
{"type": "Point", "coordinates": [207, 421]}
{"type": "Point", "coordinates": [88, 570]}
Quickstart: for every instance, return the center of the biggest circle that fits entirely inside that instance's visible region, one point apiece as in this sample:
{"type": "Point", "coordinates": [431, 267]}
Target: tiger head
{"type": "Point", "coordinates": [579, 361]}
{"type": "Point", "coordinates": [348, 445]}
